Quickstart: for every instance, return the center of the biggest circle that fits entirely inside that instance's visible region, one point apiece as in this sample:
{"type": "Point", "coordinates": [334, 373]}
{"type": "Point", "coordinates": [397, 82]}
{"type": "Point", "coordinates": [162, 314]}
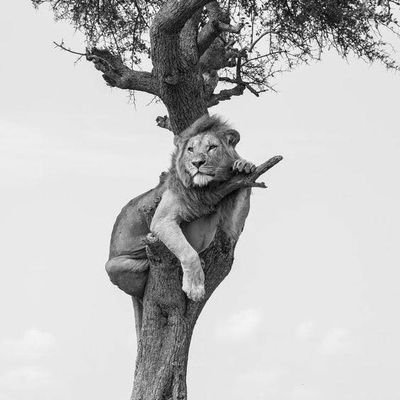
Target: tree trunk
{"type": "Point", "coordinates": [169, 318]}
{"type": "Point", "coordinates": [180, 83]}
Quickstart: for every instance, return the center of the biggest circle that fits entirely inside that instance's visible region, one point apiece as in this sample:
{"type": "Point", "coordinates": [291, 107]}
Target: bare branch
{"type": "Point", "coordinates": [251, 48]}
{"type": "Point", "coordinates": [237, 90]}
{"type": "Point", "coordinates": [62, 47]}
{"type": "Point", "coordinates": [242, 180]}
{"type": "Point", "coordinates": [226, 94]}
{"type": "Point", "coordinates": [227, 79]}
{"type": "Point", "coordinates": [173, 16]}
{"type": "Point", "coordinates": [117, 74]}
{"type": "Point", "coordinates": [252, 90]}
{"type": "Point", "coordinates": [246, 84]}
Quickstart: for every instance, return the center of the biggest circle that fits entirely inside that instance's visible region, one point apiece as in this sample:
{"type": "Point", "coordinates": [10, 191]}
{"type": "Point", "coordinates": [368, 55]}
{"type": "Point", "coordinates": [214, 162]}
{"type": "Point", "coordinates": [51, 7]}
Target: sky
{"type": "Point", "coordinates": [310, 309]}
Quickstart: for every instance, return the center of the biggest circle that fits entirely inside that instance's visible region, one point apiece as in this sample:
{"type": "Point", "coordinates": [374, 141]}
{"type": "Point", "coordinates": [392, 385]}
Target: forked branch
{"type": "Point", "coordinates": [225, 94]}
{"type": "Point", "coordinates": [115, 72]}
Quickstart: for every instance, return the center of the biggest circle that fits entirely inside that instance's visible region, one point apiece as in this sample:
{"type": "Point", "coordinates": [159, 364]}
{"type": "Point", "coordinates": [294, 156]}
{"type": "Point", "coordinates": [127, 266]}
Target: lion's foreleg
{"type": "Point", "coordinates": [165, 225]}
{"type": "Point", "coordinates": [170, 233]}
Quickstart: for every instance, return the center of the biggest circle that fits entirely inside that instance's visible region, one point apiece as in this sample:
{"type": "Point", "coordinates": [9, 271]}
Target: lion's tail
{"type": "Point", "coordinates": [138, 309]}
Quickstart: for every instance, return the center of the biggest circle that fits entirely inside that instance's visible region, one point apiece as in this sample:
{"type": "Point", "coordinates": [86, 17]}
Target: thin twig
{"type": "Point", "coordinates": [61, 46]}
{"type": "Point", "coordinates": [257, 40]}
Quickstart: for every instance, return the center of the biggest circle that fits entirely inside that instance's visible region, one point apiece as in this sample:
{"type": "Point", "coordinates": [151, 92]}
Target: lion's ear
{"type": "Point", "coordinates": [232, 136]}
{"type": "Point", "coordinates": [182, 137]}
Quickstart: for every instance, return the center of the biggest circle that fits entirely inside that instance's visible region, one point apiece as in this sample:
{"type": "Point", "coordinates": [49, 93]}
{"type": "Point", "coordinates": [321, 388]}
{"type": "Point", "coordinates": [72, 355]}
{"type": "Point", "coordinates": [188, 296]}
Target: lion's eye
{"type": "Point", "coordinates": [190, 149]}
{"type": "Point", "coordinates": [213, 146]}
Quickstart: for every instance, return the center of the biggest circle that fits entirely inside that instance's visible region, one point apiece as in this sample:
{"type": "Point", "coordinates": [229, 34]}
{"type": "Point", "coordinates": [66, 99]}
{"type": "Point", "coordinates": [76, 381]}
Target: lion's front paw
{"type": "Point", "coordinates": [195, 293]}
{"type": "Point", "coordinates": [193, 283]}
{"type": "Point", "coordinates": [242, 165]}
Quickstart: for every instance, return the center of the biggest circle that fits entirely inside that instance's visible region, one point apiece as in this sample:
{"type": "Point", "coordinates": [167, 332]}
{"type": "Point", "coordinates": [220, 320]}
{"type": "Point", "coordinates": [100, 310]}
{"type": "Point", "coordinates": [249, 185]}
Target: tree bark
{"type": "Point", "coordinates": [168, 315]}
{"type": "Point", "coordinates": [180, 85]}
{"type": "Point", "coordinates": [169, 318]}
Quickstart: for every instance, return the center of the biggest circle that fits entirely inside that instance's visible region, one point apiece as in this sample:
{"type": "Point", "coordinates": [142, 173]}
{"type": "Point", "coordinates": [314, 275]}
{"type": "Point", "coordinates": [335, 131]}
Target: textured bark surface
{"type": "Point", "coordinates": [169, 318]}
{"type": "Point", "coordinates": [180, 83]}
{"type": "Point", "coordinates": [168, 315]}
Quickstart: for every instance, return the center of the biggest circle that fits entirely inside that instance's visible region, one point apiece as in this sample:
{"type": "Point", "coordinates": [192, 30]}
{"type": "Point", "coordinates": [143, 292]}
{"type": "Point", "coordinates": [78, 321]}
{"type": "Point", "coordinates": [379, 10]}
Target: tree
{"type": "Point", "coordinates": [202, 53]}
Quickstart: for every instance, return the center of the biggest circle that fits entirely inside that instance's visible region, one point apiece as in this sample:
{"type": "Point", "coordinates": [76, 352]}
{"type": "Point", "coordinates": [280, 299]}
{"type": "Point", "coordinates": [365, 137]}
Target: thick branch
{"type": "Point", "coordinates": [237, 90]}
{"type": "Point", "coordinates": [218, 23]}
{"type": "Point", "coordinates": [117, 74]}
{"type": "Point", "coordinates": [246, 84]}
{"type": "Point", "coordinates": [225, 94]}
{"type": "Point", "coordinates": [173, 16]}
{"type": "Point", "coordinates": [164, 122]}
{"type": "Point", "coordinates": [242, 181]}
{"type": "Point", "coordinates": [238, 80]}
{"type": "Point", "coordinates": [210, 31]}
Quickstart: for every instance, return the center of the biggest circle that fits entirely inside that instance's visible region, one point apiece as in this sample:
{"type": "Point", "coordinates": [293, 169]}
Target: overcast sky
{"type": "Point", "coordinates": [311, 308]}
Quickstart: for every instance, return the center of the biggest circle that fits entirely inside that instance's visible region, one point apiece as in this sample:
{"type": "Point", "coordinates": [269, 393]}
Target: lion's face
{"type": "Point", "coordinates": [205, 158]}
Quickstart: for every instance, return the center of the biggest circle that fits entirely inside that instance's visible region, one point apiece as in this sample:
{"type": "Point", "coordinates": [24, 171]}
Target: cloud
{"type": "Point", "coordinates": [33, 345]}
{"type": "Point", "coordinates": [24, 379]}
{"type": "Point", "coordinates": [266, 378]}
{"type": "Point", "coordinates": [305, 330]}
{"type": "Point", "coordinates": [302, 392]}
{"type": "Point", "coordinates": [263, 383]}
{"type": "Point", "coordinates": [336, 341]}
{"type": "Point", "coordinates": [240, 325]}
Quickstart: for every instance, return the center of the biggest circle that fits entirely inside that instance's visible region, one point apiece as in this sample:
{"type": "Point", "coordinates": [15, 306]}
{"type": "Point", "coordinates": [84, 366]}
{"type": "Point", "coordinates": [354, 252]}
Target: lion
{"type": "Point", "coordinates": [189, 212]}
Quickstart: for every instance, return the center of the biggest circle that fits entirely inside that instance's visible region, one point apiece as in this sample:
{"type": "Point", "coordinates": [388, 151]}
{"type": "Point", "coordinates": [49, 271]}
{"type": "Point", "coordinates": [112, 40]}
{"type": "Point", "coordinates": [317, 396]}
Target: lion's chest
{"type": "Point", "coordinates": [200, 233]}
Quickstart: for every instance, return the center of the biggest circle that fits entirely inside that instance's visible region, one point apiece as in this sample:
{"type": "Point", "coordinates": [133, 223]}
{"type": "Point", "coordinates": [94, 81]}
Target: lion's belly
{"type": "Point", "coordinates": [200, 233]}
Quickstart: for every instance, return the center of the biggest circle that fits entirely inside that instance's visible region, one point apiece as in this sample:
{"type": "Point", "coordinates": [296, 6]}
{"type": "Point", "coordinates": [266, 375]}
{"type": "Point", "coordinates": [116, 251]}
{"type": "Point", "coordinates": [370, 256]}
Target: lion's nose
{"type": "Point", "coordinates": [198, 163]}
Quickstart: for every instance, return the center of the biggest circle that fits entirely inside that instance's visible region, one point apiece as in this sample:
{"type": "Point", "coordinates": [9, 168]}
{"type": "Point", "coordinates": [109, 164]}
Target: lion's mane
{"type": "Point", "coordinates": [198, 201]}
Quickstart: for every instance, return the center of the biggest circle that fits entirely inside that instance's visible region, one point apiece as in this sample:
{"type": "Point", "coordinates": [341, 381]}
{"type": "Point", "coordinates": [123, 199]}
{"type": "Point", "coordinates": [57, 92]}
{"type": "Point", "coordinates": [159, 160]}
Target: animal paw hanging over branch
{"type": "Point", "coordinates": [248, 180]}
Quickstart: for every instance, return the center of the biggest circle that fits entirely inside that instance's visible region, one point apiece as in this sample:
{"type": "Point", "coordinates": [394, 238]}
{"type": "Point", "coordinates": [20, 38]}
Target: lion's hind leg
{"type": "Point", "coordinates": [128, 273]}
{"type": "Point", "coordinates": [233, 213]}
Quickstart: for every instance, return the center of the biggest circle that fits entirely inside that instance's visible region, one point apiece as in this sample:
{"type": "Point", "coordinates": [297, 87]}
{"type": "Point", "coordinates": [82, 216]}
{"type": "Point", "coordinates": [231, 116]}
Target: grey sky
{"type": "Point", "coordinates": [310, 310]}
